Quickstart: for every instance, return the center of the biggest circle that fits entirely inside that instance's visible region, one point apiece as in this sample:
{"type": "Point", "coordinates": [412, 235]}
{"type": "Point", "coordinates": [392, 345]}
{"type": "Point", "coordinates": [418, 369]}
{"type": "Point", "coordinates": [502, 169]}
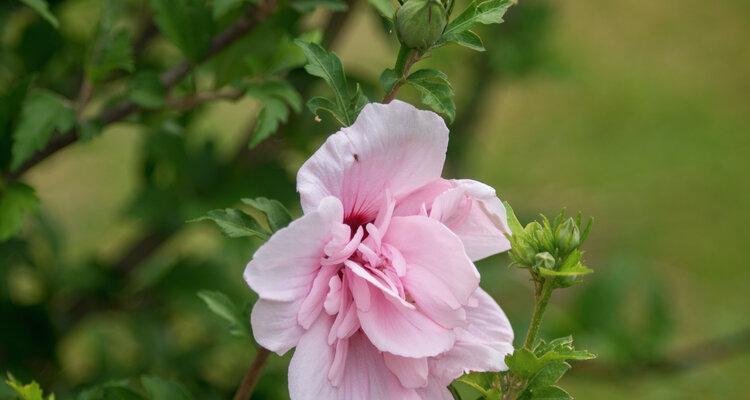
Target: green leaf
{"type": "Point", "coordinates": [551, 393]}
{"type": "Point", "coordinates": [276, 214]}
{"type": "Point", "coordinates": [277, 98]}
{"type": "Point", "coordinates": [42, 8]}
{"type": "Point", "coordinates": [388, 79]}
{"type": "Point", "coordinates": [186, 23]}
{"type": "Point", "coordinates": [487, 12]}
{"type": "Point", "coordinates": [116, 390]}
{"type": "Point", "coordinates": [467, 39]}
{"type": "Point", "coordinates": [486, 383]}
{"type": "Point", "coordinates": [306, 6]}
{"type": "Point", "coordinates": [327, 65]}
{"type": "Point", "coordinates": [436, 91]}
{"type": "Point", "coordinates": [523, 363]}
{"type": "Point", "coordinates": [112, 48]}
{"type": "Point", "coordinates": [42, 114]}
{"type": "Point", "coordinates": [548, 375]}
{"type": "Point", "coordinates": [160, 389]}
{"type": "Point", "coordinates": [146, 90]}
{"type": "Point", "coordinates": [29, 391]}
{"type": "Point", "coordinates": [515, 226]}
{"type": "Point", "coordinates": [221, 8]}
{"type": "Point", "coordinates": [318, 104]}
{"type": "Point", "coordinates": [384, 7]}
{"type": "Point", "coordinates": [234, 223]}
{"type": "Point", "coordinates": [222, 306]}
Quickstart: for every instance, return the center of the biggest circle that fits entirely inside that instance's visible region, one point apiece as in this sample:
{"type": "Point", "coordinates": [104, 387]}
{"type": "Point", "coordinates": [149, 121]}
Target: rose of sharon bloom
{"type": "Point", "coordinates": [375, 284]}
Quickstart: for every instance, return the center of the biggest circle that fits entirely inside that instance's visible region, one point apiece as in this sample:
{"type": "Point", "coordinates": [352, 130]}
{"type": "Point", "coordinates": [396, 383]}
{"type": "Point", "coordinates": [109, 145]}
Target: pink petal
{"type": "Point", "coordinates": [392, 147]}
{"type": "Point", "coordinates": [411, 203]}
{"type": "Point", "coordinates": [275, 324]}
{"type": "Point", "coordinates": [364, 374]}
{"type": "Point", "coordinates": [483, 230]}
{"type": "Point", "coordinates": [481, 346]}
{"type": "Point", "coordinates": [428, 245]}
{"type": "Point", "coordinates": [283, 268]}
{"type": "Point", "coordinates": [411, 372]}
{"type": "Point", "coordinates": [394, 328]}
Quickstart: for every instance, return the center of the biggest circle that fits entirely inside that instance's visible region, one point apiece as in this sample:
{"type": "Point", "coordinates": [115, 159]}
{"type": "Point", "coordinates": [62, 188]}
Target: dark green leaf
{"type": "Point", "coordinates": [436, 91]}
{"type": "Point", "coordinates": [276, 214]}
{"type": "Point", "coordinates": [487, 12]}
{"type": "Point", "coordinates": [388, 79]}
{"type": "Point", "coordinates": [112, 51]}
{"type": "Point", "coordinates": [234, 223]}
{"type": "Point", "coordinates": [327, 65]}
{"type": "Point", "coordinates": [42, 114]}
{"type": "Point", "coordinates": [551, 393]}
{"type": "Point", "coordinates": [523, 363]}
{"type": "Point", "coordinates": [222, 306]}
{"type": "Point", "coordinates": [160, 389]}
{"type": "Point", "coordinates": [42, 8]}
{"type": "Point", "coordinates": [146, 90]}
{"type": "Point", "coordinates": [306, 6]}
{"type": "Point", "coordinates": [467, 39]}
{"type": "Point", "coordinates": [186, 23]}
{"type": "Point", "coordinates": [384, 7]}
{"type": "Point", "coordinates": [318, 104]}
{"type": "Point", "coordinates": [548, 375]}
{"type": "Point", "coordinates": [277, 98]}
{"type": "Point", "coordinates": [486, 383]}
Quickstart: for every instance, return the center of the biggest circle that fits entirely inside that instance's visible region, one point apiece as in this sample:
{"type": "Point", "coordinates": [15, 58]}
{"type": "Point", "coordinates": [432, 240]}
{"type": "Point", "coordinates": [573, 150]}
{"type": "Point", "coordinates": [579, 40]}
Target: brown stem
{"type": "Point", "coordinates": [403, 71]}
{"type": "Point", "coordinates": [169, 79]}
{"type": "Point", "coordinates": [252, 375]}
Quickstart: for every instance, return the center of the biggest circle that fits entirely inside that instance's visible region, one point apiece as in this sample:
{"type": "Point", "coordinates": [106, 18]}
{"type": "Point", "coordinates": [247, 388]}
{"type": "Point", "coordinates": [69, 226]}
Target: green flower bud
{"type": "Point", "coordinates": [568, 236]}
{"type": "Point", "coordinates": [420, 23]}
{"type": "Point", "coordinates": [545, 260]}
{"type": "Point", "coordinates": [522, 252]}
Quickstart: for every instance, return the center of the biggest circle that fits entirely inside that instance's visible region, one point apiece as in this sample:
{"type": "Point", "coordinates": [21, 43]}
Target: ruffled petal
{"type": "Point", "coordinates": [481, 346]}
{"type": "Point", "coordinates": [391, 146]}
{"type": "Point", "coordinates": [275, 324]}
{"type": "Point", "coordinates": [283, 269]}
{"type": "Point", "coordinates": [432, 251]}
{"type": "Point", "coordinates": [363, 373]}
{"type": "Point", "coordinates": [411, 372]}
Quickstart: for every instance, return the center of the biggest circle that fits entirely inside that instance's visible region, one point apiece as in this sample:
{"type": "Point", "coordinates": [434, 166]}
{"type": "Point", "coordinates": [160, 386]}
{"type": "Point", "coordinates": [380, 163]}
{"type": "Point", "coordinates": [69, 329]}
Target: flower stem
{"type": "Point", "coordinates": [252, 375]}
{"type": "Point", "coordinates": [406, 58]}
{"type": "Point", "coordinates": [542, 295]}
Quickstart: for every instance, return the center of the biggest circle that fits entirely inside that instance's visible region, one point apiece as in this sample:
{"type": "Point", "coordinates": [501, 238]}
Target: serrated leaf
{"type": "Point", "coordinates": [435, 90]}
{"type": "Point", "coordinates": [222, 306]}
{"type": "Point", "coordinates": [234, 223]}
{"type": "Point", "coordinates": [318, 104]}
{"type": "Point", "coordinates": [112, 51]}
{"type": "Point", "coordinates": [523, 363]}
{"type": "Point", "coordinates": [42, 114]}
{"type": "Point", "coordinates": [161, 389]}
{"type": "Point", "coordinates": [327, 65]}
{"type": "Point", "coordinates": [146, 90]}
{"type": "Point", "coordinates": [483, 382]}
{"type": "Point", "coordinates": [42, 8]}
{"type": "Point", "coordinates": [467, 39]}
{"type": "Point", "coordinates": [487, 12]}
{"type": "Point", "coordinates": [186, 23]}
{"type": "Point", "coordinates": [384, 7]}
{"type": "Point", "coordinates": [551, 393]}
{"type": "Point", "coordinates": [548, 375]}
{"type": "Point", "coordinates": [306, 6]}
{"type": "Point", "coordinates": [277, 98]}
{"type": "Point", "coordinates": [276, 214]}
{"type": "Point", "coordinates": [29, 391]}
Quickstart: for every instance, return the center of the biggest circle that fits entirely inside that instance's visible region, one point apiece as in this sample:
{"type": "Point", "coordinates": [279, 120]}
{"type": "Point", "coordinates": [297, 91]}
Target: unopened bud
{"type": "Point", "coordinates": [420, 23]}
{"type": "Point", "coordinates": [568, 236]}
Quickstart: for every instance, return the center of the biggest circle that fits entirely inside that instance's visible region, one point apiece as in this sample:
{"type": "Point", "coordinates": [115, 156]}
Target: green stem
{"type": "Point", "coordinates": [543, 294]}
{"type": "Point", "coordinates": [406, 58]}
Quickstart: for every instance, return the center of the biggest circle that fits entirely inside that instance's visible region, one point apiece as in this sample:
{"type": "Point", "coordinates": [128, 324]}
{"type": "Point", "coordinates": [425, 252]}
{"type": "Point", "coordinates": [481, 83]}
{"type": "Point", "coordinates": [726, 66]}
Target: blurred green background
{"type": "Point", "coordinates": [634, 112]}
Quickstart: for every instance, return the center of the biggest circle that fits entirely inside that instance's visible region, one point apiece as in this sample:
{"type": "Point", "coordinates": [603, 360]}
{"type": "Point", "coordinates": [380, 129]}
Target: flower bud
{"type": "Point", "coordinates": [545, 260]}
{"type": "Point", "coordinates": [568, 236]}
{"type": "Point", "coordinates": [420, 23]}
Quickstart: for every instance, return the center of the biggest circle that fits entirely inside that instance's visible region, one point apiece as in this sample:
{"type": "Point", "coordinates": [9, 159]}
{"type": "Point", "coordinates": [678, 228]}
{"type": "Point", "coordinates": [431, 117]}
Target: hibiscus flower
{"type": "Point", "coordinates": [375, 284]}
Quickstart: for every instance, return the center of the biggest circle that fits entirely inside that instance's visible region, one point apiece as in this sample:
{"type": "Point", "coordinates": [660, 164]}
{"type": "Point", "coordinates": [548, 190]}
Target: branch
{"type": "Point", "coordinates": [169, 79]}
{"type": "Point", "coordinates": [252, 375]}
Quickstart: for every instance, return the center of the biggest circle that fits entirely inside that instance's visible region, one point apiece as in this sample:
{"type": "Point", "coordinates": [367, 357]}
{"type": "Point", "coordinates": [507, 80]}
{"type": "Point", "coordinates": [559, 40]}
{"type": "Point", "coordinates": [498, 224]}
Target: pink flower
{"type": "Point", "coordinates": [375, 283]}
